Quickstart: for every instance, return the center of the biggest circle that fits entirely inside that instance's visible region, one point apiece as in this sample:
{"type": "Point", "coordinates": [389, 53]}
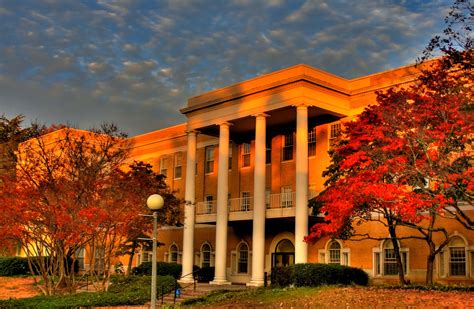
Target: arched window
{"type": "Point", "coordinates": [206, 255]}
{"type": "Point", "coordinates": [334, 249]}
{"type": "Point", "coordinates": [457, 257]}
{"type": "Point", "coordinates": [243, 258]}
{"type": "Point", "coordinates": [173, 253]}
{"type": "Point", "coordinates": [385, 260]}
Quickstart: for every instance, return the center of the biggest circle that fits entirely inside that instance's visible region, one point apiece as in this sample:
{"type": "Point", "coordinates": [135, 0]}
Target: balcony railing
{"type": "Point", "coordinates": [281, 200]}
{"type": "Point", "coordinates": [206, 208]}
{"type": "Point", "coordinates": [243, 204]}
{"type": "Point", "coordinates": [240, 204]}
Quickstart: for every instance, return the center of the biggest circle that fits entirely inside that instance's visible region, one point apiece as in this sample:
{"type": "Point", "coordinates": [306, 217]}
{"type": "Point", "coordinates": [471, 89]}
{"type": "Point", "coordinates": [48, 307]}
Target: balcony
{"type": "Point", "coordinates": [279, 205]}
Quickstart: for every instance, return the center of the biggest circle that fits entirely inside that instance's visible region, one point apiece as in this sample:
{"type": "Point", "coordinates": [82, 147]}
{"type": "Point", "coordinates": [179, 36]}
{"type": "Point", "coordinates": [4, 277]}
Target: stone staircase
{"type": "Point", "coordinates": [201, 289]}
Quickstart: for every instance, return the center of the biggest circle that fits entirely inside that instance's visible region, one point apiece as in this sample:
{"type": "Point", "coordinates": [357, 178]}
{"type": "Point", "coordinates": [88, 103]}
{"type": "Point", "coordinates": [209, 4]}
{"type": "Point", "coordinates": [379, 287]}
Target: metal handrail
{"type": "Point", "coordinates": [163, 294]}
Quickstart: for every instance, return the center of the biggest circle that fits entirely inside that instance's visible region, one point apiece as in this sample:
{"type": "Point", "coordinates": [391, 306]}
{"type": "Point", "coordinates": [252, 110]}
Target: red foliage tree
{"type": "Point", "coordinates": [408, 160]}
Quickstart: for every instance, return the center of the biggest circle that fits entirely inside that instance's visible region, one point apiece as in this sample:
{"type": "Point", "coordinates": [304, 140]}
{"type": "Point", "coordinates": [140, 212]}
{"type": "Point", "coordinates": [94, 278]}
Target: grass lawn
{"type": "Point", "coordinates": [336, 297]}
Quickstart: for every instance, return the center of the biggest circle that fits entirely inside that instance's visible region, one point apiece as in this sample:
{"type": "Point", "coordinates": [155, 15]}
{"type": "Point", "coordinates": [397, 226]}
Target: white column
{"type": "Point", "coordinates": [220, 277]}
{"type": "Point", "coordinates": [258, 236]}
{"type": "Point", "coordinates": [189, 209]}
{"type": "Point", "coordinates": [301, 211]}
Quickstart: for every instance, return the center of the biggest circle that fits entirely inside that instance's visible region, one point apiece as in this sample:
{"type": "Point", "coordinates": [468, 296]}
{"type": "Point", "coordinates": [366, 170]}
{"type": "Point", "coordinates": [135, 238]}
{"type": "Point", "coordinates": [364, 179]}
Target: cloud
{"type": "Point", "coordinates": [134, 61]}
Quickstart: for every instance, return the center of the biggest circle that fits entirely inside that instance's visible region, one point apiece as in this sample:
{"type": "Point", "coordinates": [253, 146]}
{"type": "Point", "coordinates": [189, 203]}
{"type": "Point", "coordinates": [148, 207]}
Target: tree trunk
{"type": "Point", "coordinates": [429, 268]}
{"type": "Point", "coordinates": [396, 248]}
{"type": "Point", "coordinates": [132, 254]}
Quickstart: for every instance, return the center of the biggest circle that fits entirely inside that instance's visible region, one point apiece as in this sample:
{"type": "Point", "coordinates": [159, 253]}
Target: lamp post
{"type": "Point", "coordinates": [154, 202]}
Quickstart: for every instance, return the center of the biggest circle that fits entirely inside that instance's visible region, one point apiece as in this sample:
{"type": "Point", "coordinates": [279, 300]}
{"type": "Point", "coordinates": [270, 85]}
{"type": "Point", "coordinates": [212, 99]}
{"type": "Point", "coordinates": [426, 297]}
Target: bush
{"type": "Point", "coordinates": [318, 274]}
{"type": "Point", "coordinates": [124, 290]}
{"type": "Point", "coordinates": [14, 266]}
{"type": "Point", "coordinates": [79, 300]}
{"type": "Point", "coordinates": [205, 274]}
{"type": "Point", "coordinates": [281, 276]}
{"type": "Point", "coordinates": [162, 269]}
{"type": "Point", "coordinates": [124, 284]}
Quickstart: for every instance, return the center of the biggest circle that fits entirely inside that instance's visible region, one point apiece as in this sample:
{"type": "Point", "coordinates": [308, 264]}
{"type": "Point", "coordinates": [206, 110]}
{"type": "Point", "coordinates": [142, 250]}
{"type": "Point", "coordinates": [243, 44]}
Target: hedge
{"type": "Point", "coordinates": [162, 269]}
{"type": "Point", "coordinates": [123, 291]}
{"type": "Point", "coordinates": [14, 266]}
{"type": "Point", "coordinates": [205, 274]}
{"type": "Point", "coordinates": [318, 274]}
{"type": "Point", "coordinates": [18, 266]}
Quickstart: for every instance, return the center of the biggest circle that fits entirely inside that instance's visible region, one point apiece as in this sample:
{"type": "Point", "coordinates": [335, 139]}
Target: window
{"type": "Point", "coordinates": [287, 147]}
{"type": "Point", "coordinates": [230, 155]}
{"type": "Point", "coordinates": [457, 257]}
{"type": "Point", "coordinates": [334, 252]}
{"type": "Point", "coordinates": [173, 257]}
{"type": "Point", "coordinates": [99, 259]}
{"type": "Point", "coordinates": [286, 197]}
{"type": "Point", "coordinates": [390, 262]}
{"type": "Point", "coordinates": [335, 130]}
{"type": "Point", "coordinates": [268, 153]}
{"type": "Point", "coordinates": [163, 166]}
{"type": "Point", "coordinates": [145, 256]}
{"type": "Point", "coordinates": [457, 261]}
{"type": "Point", "coordinates": [454, 259]}
{"type": "Point", "coordinates": [385, 261]}
{"type": "Point", "coordinates": [206, 255]}
{"type": "Point", "coordinates": [243, 259]}
{"type": "Point", "coordinates": [245, 201]}
{"type": "Point", "coordinates": [208, 205]}
{"type": "Point", "coordinates": [209, 168]}
{"type": "Point", "coordinates": [268, 194]}
{"type": "Point", "coordinates": [312, 142]}
{"type": "Point", "coordinates": [245, 155]}
{"type": "Point", "coordinates": [178, 162]}
{"type": "Point", "coordinates": [80, 258]}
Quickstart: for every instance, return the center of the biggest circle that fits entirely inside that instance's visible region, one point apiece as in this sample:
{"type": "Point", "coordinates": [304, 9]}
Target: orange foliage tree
{"type": "Point", "coordinates": [70, 192]}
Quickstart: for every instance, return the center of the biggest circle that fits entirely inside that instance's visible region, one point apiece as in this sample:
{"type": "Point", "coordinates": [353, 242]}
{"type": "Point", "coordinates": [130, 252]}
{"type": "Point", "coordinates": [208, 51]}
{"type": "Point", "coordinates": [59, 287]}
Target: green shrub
{"type": "Point", "coordinates": [318, 274]}
{"type": "Point", "coordinates": [79, 300]}
{"type": "Point", "coordinates": [205, 274]}
{"type": "Point", "coordinates": [18, 266]}
{"type": "Point", "coordinates": [162, 269]}
{"type": "Point", "coordinates": [14, 266]}
{"type": "Point", "coordinates": [281, 276]}
{"type": "Point", "coordinates": [124, 284]}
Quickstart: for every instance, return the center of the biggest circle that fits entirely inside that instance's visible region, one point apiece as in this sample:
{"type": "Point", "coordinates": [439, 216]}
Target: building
{"type": "Point", "coordinates": [248, 160]}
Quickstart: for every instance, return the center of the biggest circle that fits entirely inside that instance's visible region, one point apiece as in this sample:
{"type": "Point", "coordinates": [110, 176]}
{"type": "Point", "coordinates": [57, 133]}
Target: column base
{"type": "Point", "coordinates": [220, 282]}
{"type": "Point", "coordinates": [186, 280]}
{"type": "Point", "coordinates": [255, 283]}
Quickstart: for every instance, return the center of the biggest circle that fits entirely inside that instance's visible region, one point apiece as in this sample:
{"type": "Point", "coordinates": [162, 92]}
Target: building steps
{"type": "Point", "coordinates": [202, 289]}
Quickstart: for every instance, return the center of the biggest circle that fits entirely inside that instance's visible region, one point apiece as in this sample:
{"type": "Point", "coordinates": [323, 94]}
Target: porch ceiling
{"type": "Point", "coordinates": [280, 120]}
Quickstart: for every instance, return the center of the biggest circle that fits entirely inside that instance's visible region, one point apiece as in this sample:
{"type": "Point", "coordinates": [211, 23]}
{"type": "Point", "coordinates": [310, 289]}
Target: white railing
{"type": "Point", "coordinates": [206, 208]}
{"type": "Point", "coordinates": [282, 200]}
{"type": "Point", "coordinates": [240, 204]}
{"type": "Point", "coordinates": [278, 200]}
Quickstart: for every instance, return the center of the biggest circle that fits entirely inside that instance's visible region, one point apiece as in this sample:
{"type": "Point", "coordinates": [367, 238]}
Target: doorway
{"type": "Point", "coordinates": [284, 254]}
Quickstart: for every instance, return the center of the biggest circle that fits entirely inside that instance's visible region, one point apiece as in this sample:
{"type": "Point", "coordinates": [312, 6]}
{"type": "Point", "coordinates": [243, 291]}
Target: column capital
{"type": "Point", "coordinates": [302, 105]}
{"type": "Point", "coordinates": [224, 123]}
{"type": "Point", "coordinates": [195, 132]}
{"type": "Point", "coordinates": [261, 115]}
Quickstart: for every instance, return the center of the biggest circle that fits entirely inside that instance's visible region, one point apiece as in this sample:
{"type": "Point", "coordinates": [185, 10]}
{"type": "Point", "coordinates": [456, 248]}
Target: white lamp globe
{"type": "Point", "coordinates": [155, 202]}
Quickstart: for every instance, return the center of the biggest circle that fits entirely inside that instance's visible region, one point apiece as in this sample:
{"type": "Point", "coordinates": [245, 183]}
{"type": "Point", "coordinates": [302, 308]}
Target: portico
{"type": "Point", "coordinates": [279, 102]}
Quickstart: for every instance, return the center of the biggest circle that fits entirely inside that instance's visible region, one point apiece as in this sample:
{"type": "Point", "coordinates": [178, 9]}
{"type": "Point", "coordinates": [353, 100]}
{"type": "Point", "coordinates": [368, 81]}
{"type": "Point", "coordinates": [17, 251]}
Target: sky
{"type": "Point", "coordinates": [135, 62]}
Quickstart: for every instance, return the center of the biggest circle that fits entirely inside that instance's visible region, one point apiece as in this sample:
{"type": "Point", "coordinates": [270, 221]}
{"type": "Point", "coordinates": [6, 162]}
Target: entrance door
{"type": "Point", "coordinates": [284, 254]}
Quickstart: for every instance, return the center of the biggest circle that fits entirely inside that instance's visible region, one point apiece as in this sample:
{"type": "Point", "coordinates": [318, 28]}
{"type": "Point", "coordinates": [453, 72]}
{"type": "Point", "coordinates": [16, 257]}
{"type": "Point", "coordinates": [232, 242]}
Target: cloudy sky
{"type": "Point", "coordinates": [135, 62]}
